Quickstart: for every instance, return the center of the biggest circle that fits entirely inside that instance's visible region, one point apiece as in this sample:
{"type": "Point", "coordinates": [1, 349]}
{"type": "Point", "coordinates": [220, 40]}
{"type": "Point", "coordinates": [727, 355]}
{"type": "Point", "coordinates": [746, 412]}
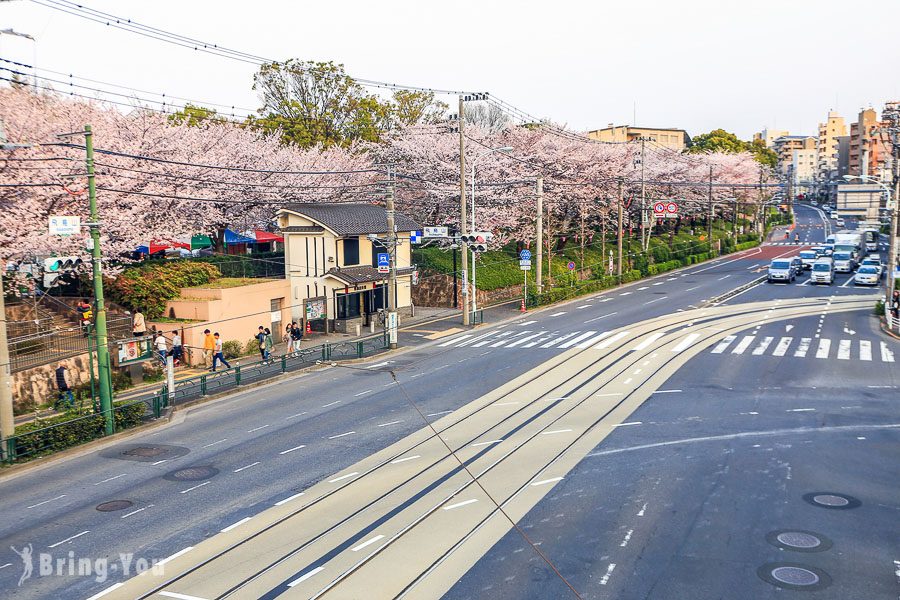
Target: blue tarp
{"type": "Point", "coordinates": [232, 237]}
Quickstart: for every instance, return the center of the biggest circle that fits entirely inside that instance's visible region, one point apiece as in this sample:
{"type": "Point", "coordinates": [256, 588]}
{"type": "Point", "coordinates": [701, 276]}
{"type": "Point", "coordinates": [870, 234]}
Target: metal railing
{"type": "Point", "coordinates": [47, 347]}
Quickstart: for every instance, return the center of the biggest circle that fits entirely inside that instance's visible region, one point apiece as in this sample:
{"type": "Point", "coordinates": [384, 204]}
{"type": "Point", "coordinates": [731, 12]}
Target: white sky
{"type": "Point", "coordinates": [695, 64]}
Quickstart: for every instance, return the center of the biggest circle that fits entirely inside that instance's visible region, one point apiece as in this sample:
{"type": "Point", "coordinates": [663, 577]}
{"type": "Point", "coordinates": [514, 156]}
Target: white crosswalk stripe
{"type": "Point", "coordinates": [803, 348]}
{"type": "Point", "coordinates": [525, 339]}
{"type": "Point", "coordinates": [845, 349]}
{"type": "Point", "coordinates": [824, 348]}
{"type": "Point", "coordinates": [865, 350]}
{"type": "Point", "coordinates": [515, 335]}
{"type": "Point", "coordinates": [763, 344]}
{"type": "Point", "coordinates": [685, 343]}
{"type": "Point", "coordinates": [487, 339]}
{"type": "Point", "coordinates": [782, 347]}
{"type": "Point", "coordinates": [726, 341]}
{"type": "Point", "coordinates": [646, 343]}
{"type": "Point", "coordinates": [588, 343]}
{"type": "Point", "coordinates": [743, 344]}
{"type": "Point", "coordinates": [455, 340]}
{"type": "Point", "coordinates": [552, 343]}
{"type": "Point", "coordinates": [577, 339]}
{"type": "Point", "coordinates": [843, 352]}
{"type": "Point", "coordinates": [886, 354]}
{"type": "Point", "coordinates": [611, 340]}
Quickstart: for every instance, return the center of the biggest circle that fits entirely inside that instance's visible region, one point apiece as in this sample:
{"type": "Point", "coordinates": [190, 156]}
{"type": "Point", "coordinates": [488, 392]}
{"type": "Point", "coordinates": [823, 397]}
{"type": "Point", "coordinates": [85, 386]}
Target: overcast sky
{"type": "Point", "coordinates": [693, 64]}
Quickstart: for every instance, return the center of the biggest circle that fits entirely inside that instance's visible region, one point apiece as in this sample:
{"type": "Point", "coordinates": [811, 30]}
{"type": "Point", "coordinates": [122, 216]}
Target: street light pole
{"type": "Point", "coordinates": [462, 212]}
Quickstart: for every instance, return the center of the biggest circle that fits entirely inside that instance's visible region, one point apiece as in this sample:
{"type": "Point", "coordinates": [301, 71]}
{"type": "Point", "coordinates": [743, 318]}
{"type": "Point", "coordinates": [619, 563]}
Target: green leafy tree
{"type": "Point", "coordinates": [719, 140]}
{"type": "Point", "coordinates": [763, 155]}
{"type": "Point", "coordinates": [195, 116]}
{"type": "Point", "coordinates": [414, 107]}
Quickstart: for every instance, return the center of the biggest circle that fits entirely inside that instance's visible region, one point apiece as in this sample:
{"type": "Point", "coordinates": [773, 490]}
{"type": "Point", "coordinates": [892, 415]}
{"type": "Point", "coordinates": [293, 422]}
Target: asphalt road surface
{"type": "Point", "coordinates": [655, 441]}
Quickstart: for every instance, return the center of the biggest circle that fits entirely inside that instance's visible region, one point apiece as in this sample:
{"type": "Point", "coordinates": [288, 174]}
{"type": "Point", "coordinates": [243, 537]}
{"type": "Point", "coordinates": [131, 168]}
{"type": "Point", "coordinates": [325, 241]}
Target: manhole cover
{"type": "Point", "coordinates": [192, 473]}
{"type": "Point", "coordinates": [798, 540]}
{"type": "Point", "coordinates": [832, 500]}
{"type": "Point", "coordinates": [794, 576]}
{"type": "Point", "coordinates": [115, 505]}
{"type": "Point", "coordinates": [145, 451]}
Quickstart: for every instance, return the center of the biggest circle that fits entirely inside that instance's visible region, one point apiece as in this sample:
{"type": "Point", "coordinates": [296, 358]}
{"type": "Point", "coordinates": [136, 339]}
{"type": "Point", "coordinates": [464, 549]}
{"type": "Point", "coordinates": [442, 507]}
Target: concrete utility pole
{"type": "Point", "coordinates": [539, 223]}
{"type": "Point", "coordinates": [619, 267]}
{"type": "Point", "coordinates": [894, 117]}
{"type": "Point", "coordinates": [462, 213]}
{"type": "Point", "coordinates": [103, 365]}
{"type": "Point", "coordinates": [645, 221]}
{"type": "Point", "coordinates": [709, 218]}
{"type": "Point", "coordinates": [392, 249]}
{"type": "Point", "coordinates": [7, 420]}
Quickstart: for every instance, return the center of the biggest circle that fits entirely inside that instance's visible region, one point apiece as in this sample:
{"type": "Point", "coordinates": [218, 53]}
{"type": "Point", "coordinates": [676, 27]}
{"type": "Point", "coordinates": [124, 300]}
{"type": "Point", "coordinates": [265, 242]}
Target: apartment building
{"type": "Point", "coordinates": [675, 139]}
{"type": "Point", "coordinates": [768, 136]}
{"type": "Point", "coordinates": [785, 146]}
{"type": "Point", "coordinates": [826, 145]}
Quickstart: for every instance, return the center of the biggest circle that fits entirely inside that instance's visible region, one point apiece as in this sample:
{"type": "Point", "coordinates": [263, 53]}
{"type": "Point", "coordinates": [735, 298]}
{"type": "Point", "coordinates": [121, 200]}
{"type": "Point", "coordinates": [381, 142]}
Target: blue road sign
{"type": "Point", "coordinates": [415, 237]}
{"type": "Point", "coordinates": [525, 254]}
{"type": "Point", "coordinates": [384, 259]}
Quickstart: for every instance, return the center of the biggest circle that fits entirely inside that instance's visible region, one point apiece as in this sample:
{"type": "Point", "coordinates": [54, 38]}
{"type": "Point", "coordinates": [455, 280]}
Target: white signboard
{"type": "Point", "coordinates": [435, 232]}
{"type": "Point", "coordinates": [392, 327]}
{"type": "Point", "coordinates": [525, 264]}
{"type": "Point", "coordinates": [64, 225]}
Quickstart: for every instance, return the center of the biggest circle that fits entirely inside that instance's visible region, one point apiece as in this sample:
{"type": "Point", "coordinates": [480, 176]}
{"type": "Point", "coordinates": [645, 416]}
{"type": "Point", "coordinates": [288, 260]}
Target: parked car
{"type": "Point", "coordinates": [781, 269]}
{"type": "Point", "coordinates": [867, 275]}
{"type": "Point", "coordinates": [822, 271]}
{"type": "Point", "coordinates": [808, 257]}
{"type": "Point", "coordinates": [844, 262]}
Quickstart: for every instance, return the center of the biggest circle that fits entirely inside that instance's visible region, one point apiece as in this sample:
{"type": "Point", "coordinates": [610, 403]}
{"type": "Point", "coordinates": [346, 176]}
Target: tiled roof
{"type": "Point", "coordinates": [346, 218]}
{"type": "Point", "coordinates": [363, 274]}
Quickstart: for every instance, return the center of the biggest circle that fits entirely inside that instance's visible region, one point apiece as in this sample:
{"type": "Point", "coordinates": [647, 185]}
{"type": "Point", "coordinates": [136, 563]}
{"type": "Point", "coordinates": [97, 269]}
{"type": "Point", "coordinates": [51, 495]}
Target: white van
{"type": "Point", "coordinates": [822, 271]}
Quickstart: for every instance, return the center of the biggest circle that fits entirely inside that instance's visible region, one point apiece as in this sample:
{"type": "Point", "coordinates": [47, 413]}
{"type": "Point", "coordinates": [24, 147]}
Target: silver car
{"type": "Point", "coordinates": [781, 269]}
{"type": "Point", "coordinates": [822, 271]}
{"type": "Point", "coordinates": [867, 275]}
{"type": "Point", "coordinates": [843, 262]}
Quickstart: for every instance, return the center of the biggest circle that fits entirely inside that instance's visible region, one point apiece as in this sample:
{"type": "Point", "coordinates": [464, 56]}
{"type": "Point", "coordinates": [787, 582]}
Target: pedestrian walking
{"type": "Point", "coordinates": [63, 385]}
{"type": "Point", "coordinates": [162, 346]}
{"type": "Point", "coordinates": [177, 348]}
{"type": "Point", "coordinates": [895, 305]}
{"type": "Point", "coordinates": [296, 337]}
{"type": "Point", "coordinates": [209, 348]}
{"type": "Point", "coordinates": [270, 343]}
{"type": "Point", "coordinates": [138, 324]}
{"type": "Point", "coordinates": [218, 355]}
{"type": "Point", "coordinates": [261, 342]}
{"type": "Point", "coordinates": [286, 338]}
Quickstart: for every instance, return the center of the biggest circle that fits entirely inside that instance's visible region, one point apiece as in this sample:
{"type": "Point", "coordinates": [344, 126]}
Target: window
{"type": "Point", "coordinates": [376, 248]}
{"type": "Point", "coordinates": [348, 305]}
{"type": "Point", "coordinates": [351, 252]}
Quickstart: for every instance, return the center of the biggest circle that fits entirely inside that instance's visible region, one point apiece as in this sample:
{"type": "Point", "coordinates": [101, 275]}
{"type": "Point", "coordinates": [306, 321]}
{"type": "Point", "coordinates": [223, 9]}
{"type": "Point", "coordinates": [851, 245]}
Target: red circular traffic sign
{"type": "Point", "coordinates": [672, 208]}
{"type": "Point", "coordinates": [659, 207]}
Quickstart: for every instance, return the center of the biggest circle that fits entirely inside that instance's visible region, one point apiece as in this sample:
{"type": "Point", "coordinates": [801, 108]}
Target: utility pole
{"type": "Point", "coordinates": [893, 116]}
{"type": "Point", "coordinates": [619, 266]}
{"type": "Point", "coordinates": [7, 420]}
{"type": "Point", "coordinates": [709, 217]}
{"type": "Point", "coordinates": [392, 249]}
{"type": "Point", "coordinates": [645, 221]}
{"type": "Point", "coordinates": [539, 222]}
{"type": "Point", "coordinates": [103, 364]}
{"type": "Point", "coordinates": [462, 212]}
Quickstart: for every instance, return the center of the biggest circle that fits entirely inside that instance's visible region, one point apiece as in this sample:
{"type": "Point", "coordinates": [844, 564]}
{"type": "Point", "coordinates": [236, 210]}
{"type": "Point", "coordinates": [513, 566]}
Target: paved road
{"type": "Point", "coordinates": [266, 445]}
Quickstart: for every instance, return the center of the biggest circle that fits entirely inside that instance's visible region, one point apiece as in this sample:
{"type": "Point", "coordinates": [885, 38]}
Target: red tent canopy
{"type": "Point", "coordinates": [265, 236]}
{"type": "Point", "coordinates": [161, 245]}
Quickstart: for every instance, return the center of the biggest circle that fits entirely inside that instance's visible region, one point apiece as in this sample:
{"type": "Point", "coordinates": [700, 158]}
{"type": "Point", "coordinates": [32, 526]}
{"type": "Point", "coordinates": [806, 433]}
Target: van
{"type": "Point", "coordinates": [822, 271]}
{"type": "Point", "coordinates": [781, 269]}
{"type": "Point", "coordinates": [844, 262]}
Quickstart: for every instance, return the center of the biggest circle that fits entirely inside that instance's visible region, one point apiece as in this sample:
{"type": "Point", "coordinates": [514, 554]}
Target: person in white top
{"type": "Point", "coordinates": [162, 346]}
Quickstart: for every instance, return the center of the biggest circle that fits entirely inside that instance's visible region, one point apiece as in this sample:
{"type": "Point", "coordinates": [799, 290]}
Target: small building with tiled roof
{"type": "Point", "coordinates": [331, 259]}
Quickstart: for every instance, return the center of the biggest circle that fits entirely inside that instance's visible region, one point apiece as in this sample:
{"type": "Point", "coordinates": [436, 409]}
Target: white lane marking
{"type": "Point", "coordinates": [887, 355]}
{"type": "Point", "coordinates": [486, 443]}
{"type": "Point", "coordinates": [391, 423]}
{"type": "Point", "coordinates": [782, 347]}
{"type": "Point", "coordinates": [824, 348]}
{"type": "Point", "coordinates": [362, 393]}
{"type": "Point", "coordinates": [800, 410]}
{"type": "Point", "coordinates": [692, 289]}
{"type": "Point", "coordinates": [627, 537]}
{"type": "Point", "coordinates": [592, 340]}
{"type": "Point", "coordinates": [501, 334]}
{"type": "Point", "coordinates": [366, 543]}
{"type": "Point", "coordinates": [843, 352]}
{"type": "Point", "coordinates": [643, 510]}
{"type": "Point", "coordinates": [726, 341]}
{"type": "Point", "coordinates": [159, 462]}
{"type": "Point", "coordinates": [333, 403]}
{"type": "Point", "coordinates": [559, 339]}
{"type": "Point", "coordinates": [6, 565]}
{"type": "Point", "coordinates": [555, 431]}
{"type": "Point", "coordinates": [562, 312]}
{"type": "Point", "coordinates": [46, 501]}
{"type": "Point", "coordinates": [214, 443]}
{"type": "Point", "coordinates": [524, 323]}
{"type": "Point", "coordinates": [607, 395]}
{"type": "Point", "coordinates": [648, 341]}
{"type": "Point", "coordinates": [246, 467]}
{"type": "Point", "coordinates": [340, 435]}
{"type": "Point", "coordinates": [463, 503]}
{"type": "Point", "coordinates": [305, 576]}
{"type": "Point", "coordinates": [865, 350]}
{"type": "Point", "coordinates": [658, 283]}
{"type": "Point", "coordinates": [546, 481]}
{"type": "Point", "coordinates": [181, 552]}
{"type": "Point", "coordinates": [656, 300]}
{"type": "Point", "coordinates": [848, 282]}
{"type": "Point", "coordinates": [123, 474]}
{"type": "Point", "coordinates": [743, 344]}
{"type": "Point", "coordinates": [803, 348]}
{"type": "Point", "coordinates": [381, 364]}
{"type": "Point", "coordinates": [525, 339]}
{"type": "Point", "coordinates": [582, 306]}
{"type": "Point", "coordinates": [600, 317]}
{"type": "Point", "coordinates": [99, 594]}
{"type": "Point", "coordinates": [726, 277]}
{"type": "Point", "coordinates": [604, 299]}
{"type": "Point", "coordinates": [605, 579]}
{"type": "Point", "coordinates": [577, 339]}
{"type": "Point", "coordinates": [641, 289]}
{"type": "Point", "coordinates": [419, 375]}
{"type": "Point", "coordinates": [686, 342]}
{"type": "Point", "coordinates": [665, 391]}
{"type": "Point", "coordinates": [787, 328]}
{"type": "Point", "coordinates": [752, 412]}
{"type": "Point", "coordinates": [257, 428]}
{"type": "Point", "coordinates": [624, 293]}
{"type": "Point", "coordinates": [180, 596]}
{"type": "Point", "coordinates": [299, 414]}
{"type": "Point", "coordinates": [443, 412]}
{"type": "Point", "coordinates": [629, 423]}
{"type": "Point", "coordinates": [292, 449]}
{"type": "Point", "coordinates": [288, 499]}
{"type": "Point", "coordinates": [68, 539]}
{"type": "Point", "coordinates": [456, 339]}
{"type": "Point", "coordinates": [762, 346]}
{"type": "Point", "coordinates": [342, 477]}
{"type": "Point", "coordinates": [406, 458]}
{"type": "Point", "coordinates": [234, 525]}
{"type": "Point", "coordinates": [134, 512]}
{"type": "Point", "coordinates": [627, 381]}
{"type": "Point", "coordinates": [611, 340]}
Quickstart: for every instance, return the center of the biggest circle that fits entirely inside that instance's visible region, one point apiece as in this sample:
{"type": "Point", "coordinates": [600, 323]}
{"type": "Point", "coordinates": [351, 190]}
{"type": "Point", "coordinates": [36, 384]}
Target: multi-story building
{"type": "Point", "coordinates": [803, 166]}
{"type": "Point", "coordinates": [826, 145]}
{"type": "Point", "coordinates": [870, 147]}
{"type": "Point", "coordinates": [785, 145]}
{"type": "Point", "coordinates": [768, 136]}
{"type": "Point", "coordinates": [676, 139]}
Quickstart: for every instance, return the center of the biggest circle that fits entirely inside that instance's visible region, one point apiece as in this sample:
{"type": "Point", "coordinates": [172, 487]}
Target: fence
{"type": "Point", "coordinates": [36, 349]}
{"type": "Point", "coordinates": [39, 441]}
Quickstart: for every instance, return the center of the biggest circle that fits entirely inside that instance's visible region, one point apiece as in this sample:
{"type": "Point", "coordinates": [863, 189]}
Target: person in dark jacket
{"type": "Point", "coordinates": [65, 390]}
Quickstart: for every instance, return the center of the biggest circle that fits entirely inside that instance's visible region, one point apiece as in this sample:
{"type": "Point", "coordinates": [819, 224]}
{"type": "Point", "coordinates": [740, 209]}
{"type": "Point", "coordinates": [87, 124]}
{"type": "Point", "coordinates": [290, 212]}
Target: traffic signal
{"type": "Point", "coordinates": [59, 265]}
{"type": "Point", "coordinates": [477, 240]}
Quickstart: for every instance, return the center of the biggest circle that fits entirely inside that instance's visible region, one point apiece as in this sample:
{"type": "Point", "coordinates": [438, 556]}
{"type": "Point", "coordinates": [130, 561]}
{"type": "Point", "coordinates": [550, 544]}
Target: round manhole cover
{"type": "Point", "coordinates": [793, 576]}
{"type": "Point", "coordinates": [799, 540]}
{"type": "Point", "coordinates": [832, 500]}
{"type": "Point", "coordinates": [192, 473]}
{"type": "Point", "coordinates": [113, 505]}
{"type": "Point", "coordinates": [145, 451]}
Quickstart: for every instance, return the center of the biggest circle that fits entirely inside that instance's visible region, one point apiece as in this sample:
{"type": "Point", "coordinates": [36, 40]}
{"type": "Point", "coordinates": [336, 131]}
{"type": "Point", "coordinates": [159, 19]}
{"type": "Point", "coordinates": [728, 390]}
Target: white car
{"type": "Point", "coordinates": [868, 275]}
{"type": "Point", "coordinates": [839, 222]}
{"type": "Point", "coordinates": [873, 261]}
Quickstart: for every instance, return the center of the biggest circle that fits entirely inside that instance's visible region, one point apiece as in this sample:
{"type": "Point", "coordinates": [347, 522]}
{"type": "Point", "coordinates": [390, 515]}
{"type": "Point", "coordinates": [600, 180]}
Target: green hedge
{"type": "Point", "coordinates": [43, 436]}
{"type": "Point", "coordinates": [147, 288]}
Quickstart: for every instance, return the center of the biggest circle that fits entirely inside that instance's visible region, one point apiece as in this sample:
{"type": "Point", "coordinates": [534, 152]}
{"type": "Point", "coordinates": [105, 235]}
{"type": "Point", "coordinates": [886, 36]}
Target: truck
{"type": "Point", "coordinates": [853, 242]}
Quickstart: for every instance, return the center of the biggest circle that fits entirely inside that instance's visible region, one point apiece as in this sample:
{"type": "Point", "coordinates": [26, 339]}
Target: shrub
{"type": "Point", "coordinates": [147, 288]}
{"type": "Point", "coordinates": [879, 308]}
{"type": "Point", "coordinates": [232, 348]}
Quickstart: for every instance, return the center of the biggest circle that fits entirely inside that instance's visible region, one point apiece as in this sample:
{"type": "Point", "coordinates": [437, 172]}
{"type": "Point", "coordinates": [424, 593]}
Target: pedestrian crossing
{"type": "Point", "coordinates": [821, 348]}
{"type": "Point", "coordinates": [751, 344]}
